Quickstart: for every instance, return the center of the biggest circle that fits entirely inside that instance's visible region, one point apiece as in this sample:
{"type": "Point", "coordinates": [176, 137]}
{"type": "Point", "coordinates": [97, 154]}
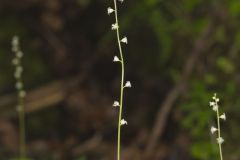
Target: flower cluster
{"type": "Point", "coordinates": [18, 68]}
{"type": "Point", "coordinates": [215, 108]}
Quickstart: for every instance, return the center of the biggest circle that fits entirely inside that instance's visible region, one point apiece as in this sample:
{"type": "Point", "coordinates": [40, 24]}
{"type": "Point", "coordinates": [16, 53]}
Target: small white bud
{"type": "Point", "coordinates": [220, 140]}
{"type": "Point", "coordinates": [128, 84]}
{"type": "Point", "coordinates": [116, 104]}
{"type": "Point", "coordinates": [124, 40]}
{"type": "Point", "coordinates": [110, 10]}
{"type": "Point", "coordinates": [213, 130]}
{"type": "Point", "coordinates": [223, 116]}
{"type": "Point", "coordinates": [123, 122]}
{"type": "Point", "coordinates": [115, 26]}
{"type": "Point", "coordinates": [121, 1]}
{"type": "Point", "coordinates": [116, 59]}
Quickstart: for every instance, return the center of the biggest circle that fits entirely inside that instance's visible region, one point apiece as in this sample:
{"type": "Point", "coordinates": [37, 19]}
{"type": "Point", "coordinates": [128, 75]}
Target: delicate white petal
{"type": "Point", "coordinates": [128, 84]}
{"type": "Point", "coordinates": [213, 130]}
{"type": "Point", "coordinates": [223, 116]}
{"type": "Point", "coordinates": [124, 40]}
{"type": "Point", "coordinates": [116, 59]}
{"type": "Point", "coordinates": [114, 26]}
{"type": "Point", "coordinates": [220, 140]}
{"type": "Point", "coordinates": [110, 10]}
{"type": "Point", "coordinates": [123, 122]}
{"type": "Point", "coordinates": [121, 1]}
{"type": "Point", "coordinates": [116, 104]}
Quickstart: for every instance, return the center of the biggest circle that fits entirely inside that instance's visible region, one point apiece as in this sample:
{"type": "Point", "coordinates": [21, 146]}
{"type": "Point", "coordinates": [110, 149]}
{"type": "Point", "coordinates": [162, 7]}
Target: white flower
{"type": "Point", "coordinates": [114, 26]}
{"type": "Point", "coordinates": [116, 59]}
{"type": "Point", "coordinates": [19, 85]}
{"type": "Point", "coordinates": [121, 1]}
{"type": "Point", "coordinates": [128, 84]}
{"type": "Point", "coordinates": [211, 103]}
{"type": "Point", "coordinates": [123, 122]}
{"type": "Point", "coordinates": [220, 140]}
{"type": "Point", "coordinates": [213, 130]}
{"type": "Point", "coordinates": [116, 104]}
{"type": "Point", "coordinates": [110, 10]}
{"type": "Point", "coordinates": [223, 116]}
{"type": "Point", "coordinates": [15, 61]}
{"type": "Point", "coordinates": [19, 69]}
{"type": "Point", "coordinates": [124, 40]}
{"type": "Point", "coordinates": [15, 43]}
{"type": "Point", "coordinates": [22, 94]}
{"type": "Point", "coordinates": [19, 54]}
{"type": "Point", "coordinates": [215, 108]}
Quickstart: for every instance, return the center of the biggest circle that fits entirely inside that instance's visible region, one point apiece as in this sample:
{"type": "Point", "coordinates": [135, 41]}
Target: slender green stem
{"type": "Point", "coordinates": [22, 138]}
{"type": "Point", "coordinates": [219, 135]}
{"type": "Point", "coordinates": [122, 83]}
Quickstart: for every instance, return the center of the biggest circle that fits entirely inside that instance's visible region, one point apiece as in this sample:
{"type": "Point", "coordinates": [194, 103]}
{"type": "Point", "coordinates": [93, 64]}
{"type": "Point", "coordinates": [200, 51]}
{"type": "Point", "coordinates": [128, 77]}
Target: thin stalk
{"type": "Point", "coordinates": [219, 135]}
{"type": "Point", "coordinates": [22, 138]}
{"type": "Point", "coordinates": [122, 82]}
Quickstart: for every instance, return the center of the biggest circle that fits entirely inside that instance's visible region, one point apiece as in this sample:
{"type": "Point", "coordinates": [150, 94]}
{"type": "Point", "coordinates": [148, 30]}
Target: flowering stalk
{"type": "Point", "coordinates": [21, 94]}
{"type": "Point", "coordinates": [119, 104]}
{"type": "Point", "coordinates": [215, 107]}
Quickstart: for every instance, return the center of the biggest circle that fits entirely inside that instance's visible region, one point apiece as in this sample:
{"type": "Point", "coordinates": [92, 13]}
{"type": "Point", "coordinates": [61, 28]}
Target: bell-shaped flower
{"type": "Point", "coordinates": [128, 84]}
{"type": "Point", "coordinates": [215, 108]}
{"type": "Point", "coordinates": [116, 59]}
{"type": "Point", "coordinates": [223, 116]}
{"type": "Point", "coordinates": [116, 104]}
{"type": "Point", "coordinates": [220, 140]}
{"type": "Point", "coordinates": [123, 122]}
{"type": "Point", "coordinates": [124, 40]}
{"type": "Point", "coordinates": [213, 130]}
{"type": "Point", "coordinates": [110, 10]}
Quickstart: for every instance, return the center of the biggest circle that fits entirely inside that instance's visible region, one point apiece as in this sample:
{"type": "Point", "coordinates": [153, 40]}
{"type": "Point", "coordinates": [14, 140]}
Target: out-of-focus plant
{"type": "Point", "coordinates": [17, 62]}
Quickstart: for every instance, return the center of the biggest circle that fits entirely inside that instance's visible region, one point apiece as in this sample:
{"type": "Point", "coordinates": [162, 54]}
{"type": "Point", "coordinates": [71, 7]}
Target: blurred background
{"type": "Point", "coordinates": [180, 52]}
